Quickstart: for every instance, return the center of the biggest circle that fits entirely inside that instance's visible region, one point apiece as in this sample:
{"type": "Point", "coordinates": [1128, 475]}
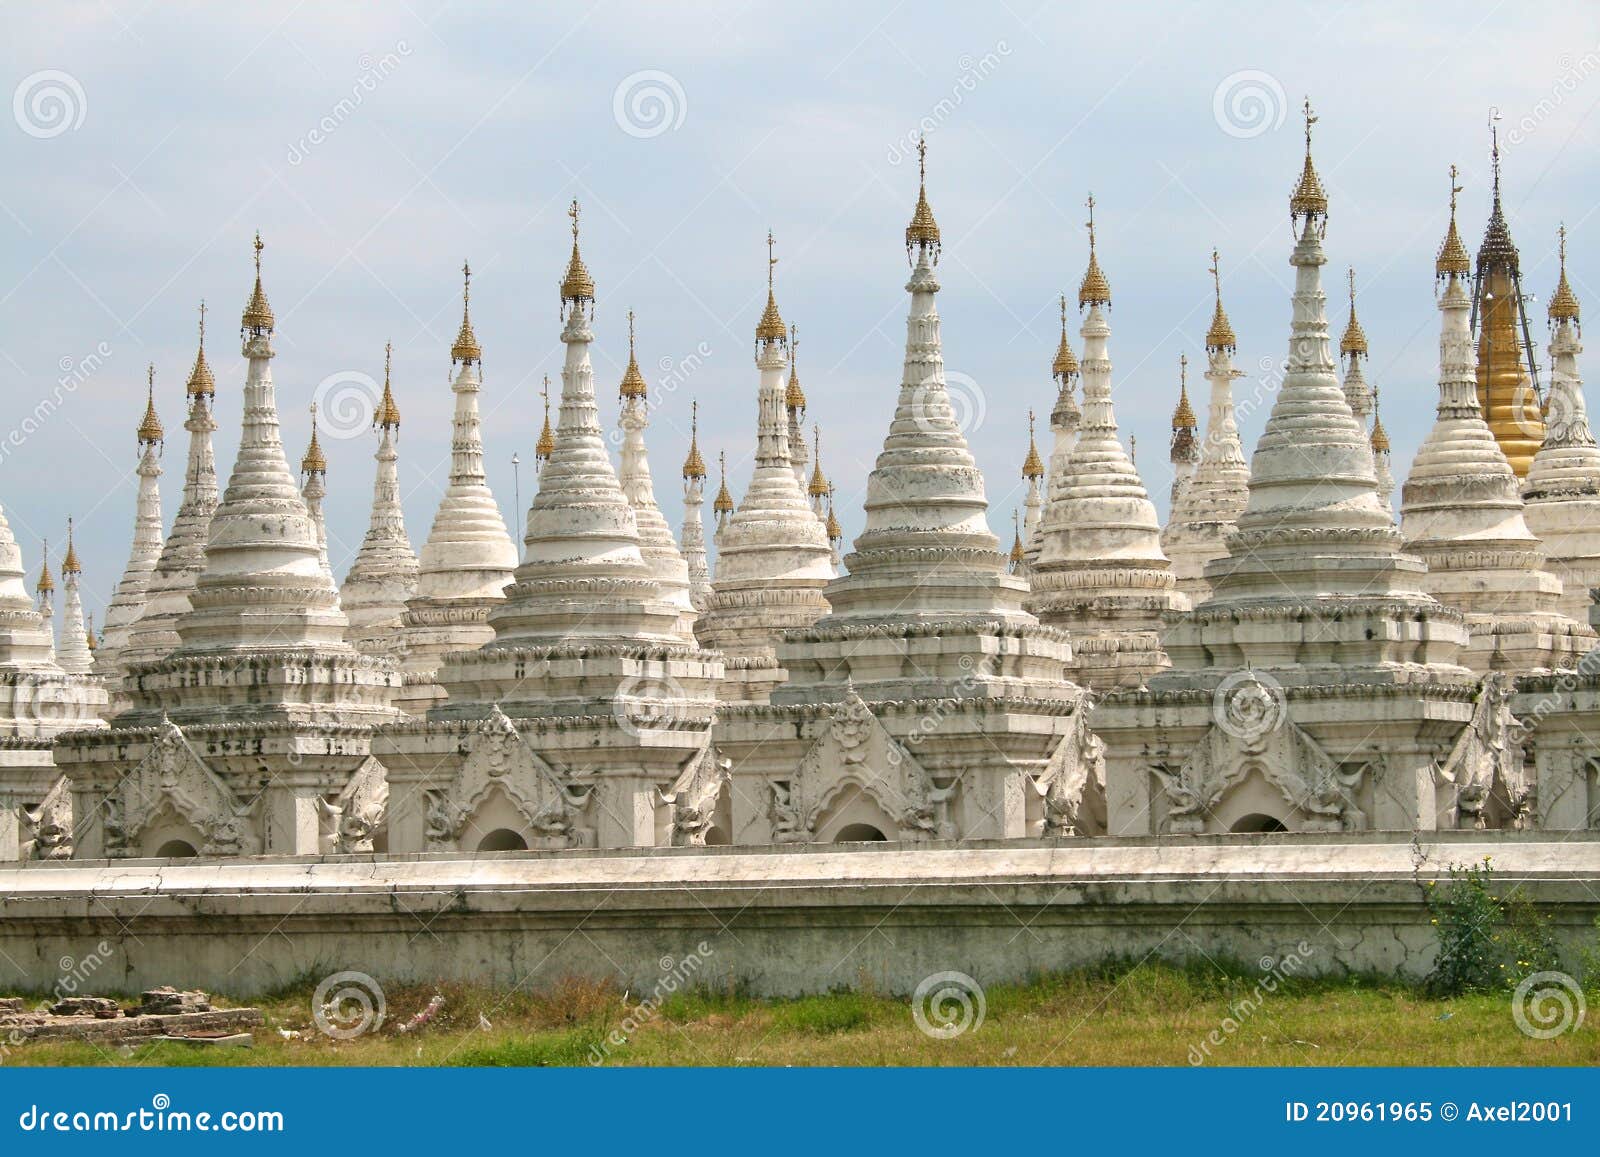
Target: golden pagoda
{"type": "Point", "coordinates": [1508, 392]}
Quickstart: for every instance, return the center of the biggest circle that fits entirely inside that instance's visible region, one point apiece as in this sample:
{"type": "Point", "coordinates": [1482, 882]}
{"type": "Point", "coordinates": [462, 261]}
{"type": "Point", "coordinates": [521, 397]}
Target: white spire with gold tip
{"type": "Point", "coordinates": [1033, 478]}
{"type": "Point", "coordinates": [262, 587]}
{"type": "Point", "coordinates": [128, 602]}
{"type": "Point", "coordinates": [772, 551]}
{"type": "Point", "coordinates": [1353, 351]}
{"type": "Point", "coordinates": [1204, 514]}
{"type": "Point", "coordinates": [1184, 449]}
{"type": "Point", "coordinates": [1461, 513]}
{"type": "Point", "coordinates": [314, 469]}
{"type": "Point", "coordinates": [384, 574]}
{"type": "Point", "coordinates": [1562, 490]}
{"type": "Point", "coordinates": [1378, 443]}
{"type": "Point", "coordinates": [45, 591]}
{"type": "Point", "coordinates": [1065, 418]}
{"type": "Point", "coordinates": [694, 531]}
{"type": "Point", "coordinates": [1101, 573]}
{"type": "Point", "coordinates": [660, 549]}
{"type": "Point", "coordinates": [74, 656]}
{"type": "Point", "coordinates": [818, 488]}
{"type": "Point", "coordinates": [794, 401]}
{"type": "Point", "coordinates": [154, 634]}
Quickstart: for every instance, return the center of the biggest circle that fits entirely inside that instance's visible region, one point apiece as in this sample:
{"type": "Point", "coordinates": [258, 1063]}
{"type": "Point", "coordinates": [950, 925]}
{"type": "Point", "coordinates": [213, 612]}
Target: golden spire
{"type": "Point", "coordinates": [694, 466]}
{"type": "Point", "coordinates": [46, 584]}
{"type": "Point", "coordinates": [70, 564]}
{"type": "Point", "coordinates": [771, 327]}
{"type": "Point", "coordinates": [88, 632]}
{"type": "Point", "coordinates": [1220, 335]}
{"type": "Point", "coordinates": [1032, 465]}
{"type": "Point", "coordinates": [1183, 417]}
{"type": "Point", "coordinates": [1380, 436]}
{"type": "Point", "coordinates": [1564, 305]}
{"type": "Point", "coordinates": [1452, 260]}
{"type": "Point", "coordinates": [724, 501]}
{"type": "Point", "coordinates": [923, 232]}
{"type": "Point", "coordinates": [1017, 554]}
{"type": "Point", "coordinates": [388, 415]}
{"type": "Point", "coordinates": [314, 462]}
{"type": "Point", "coordinates": [466, 348]}
{"type": "Point", "coordinates": [1066, 363]}
{"type": "Point", "coordinates": [834, 531]}
{"type": "Point", "coordinates": [1354, 341]}
{"type": "Point", "coordinates": [794, 398]}
{"type": "Point", "coordinates": [577, 286]}
{"type": "Point", "coordinates": [150, 432]}
{"type": "Point", "coordinates": [1309, 199]}
{"type": "Point", "coordinates": [819, 483]}
{"type": "Point", "coordinates": [201, 380]}
{"type": "Point", "coordinates": [257, 319]}
{"type": "Point", "coordinates": [1094, 289]}
{"type": "Point", "coordinates": [546, 445]}
{"type": "Point", "coordinates": [632, 380]}
{"type": "Point", "coordinates": [1497, 249]}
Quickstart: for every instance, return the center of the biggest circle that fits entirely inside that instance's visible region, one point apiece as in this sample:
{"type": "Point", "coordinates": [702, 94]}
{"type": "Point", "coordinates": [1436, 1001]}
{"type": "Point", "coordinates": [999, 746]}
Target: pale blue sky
{"type": "Point", "coordinates": [189, 126]}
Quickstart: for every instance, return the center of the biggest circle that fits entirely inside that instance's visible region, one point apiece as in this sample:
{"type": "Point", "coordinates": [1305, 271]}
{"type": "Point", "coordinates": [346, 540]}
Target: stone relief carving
{"type": "Point", "coordinates": [693, 797]}
{"type": "Point", "coordinates": [352, 821]}
{"type": "Point", "coordinates": [1489, 759]}
{"type": "Point", "coordinates": [1076, 767]}
{"type": "Point", "coordinates": [173, 778]}
{"type": "Point", "coordinates": [49, 826]}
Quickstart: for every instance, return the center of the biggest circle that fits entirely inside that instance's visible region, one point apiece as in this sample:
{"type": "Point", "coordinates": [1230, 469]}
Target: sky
{"type": "Point", "coordinates": [377, 147]}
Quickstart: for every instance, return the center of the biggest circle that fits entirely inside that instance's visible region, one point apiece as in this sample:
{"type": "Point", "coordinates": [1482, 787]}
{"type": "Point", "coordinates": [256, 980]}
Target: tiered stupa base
{"type": "Point", "coordinates": [1114, 616]}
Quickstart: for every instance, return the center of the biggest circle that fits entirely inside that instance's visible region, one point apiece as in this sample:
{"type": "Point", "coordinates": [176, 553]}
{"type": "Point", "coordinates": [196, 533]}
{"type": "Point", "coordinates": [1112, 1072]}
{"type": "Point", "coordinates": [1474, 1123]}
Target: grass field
{"type": "Point", "coordinates": [1146, 1015]}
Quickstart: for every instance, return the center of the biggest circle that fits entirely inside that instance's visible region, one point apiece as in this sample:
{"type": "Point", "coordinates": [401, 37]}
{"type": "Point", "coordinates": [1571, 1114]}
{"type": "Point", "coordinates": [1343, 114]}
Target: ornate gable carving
{"type": "Point", "coordinates": [1076, 767]}
{"type": "Point", "coordinates": [1488, 759]}
{"type": "Point", "coordinates": [172, 777]}
{"type": "Point", "coordinates": [694, 795]}
{"type": "Point", "coordinates": [857, 750]}
{"type": "Point", "coordinates": [48, 827]}
{"type": "Point", "coordinates": [360, 811]}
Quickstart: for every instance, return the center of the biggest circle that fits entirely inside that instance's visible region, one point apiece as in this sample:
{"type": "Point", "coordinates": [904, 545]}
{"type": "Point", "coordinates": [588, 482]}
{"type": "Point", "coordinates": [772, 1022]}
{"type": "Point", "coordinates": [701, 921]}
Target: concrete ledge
{"type": "Point", "coordinates": [778, 921]}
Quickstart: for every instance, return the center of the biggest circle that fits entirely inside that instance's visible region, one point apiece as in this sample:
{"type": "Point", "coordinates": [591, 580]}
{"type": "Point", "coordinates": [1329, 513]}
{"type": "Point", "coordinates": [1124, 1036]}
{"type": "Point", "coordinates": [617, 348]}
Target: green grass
{"type": "Point", "coordinates": [1150, 1014]}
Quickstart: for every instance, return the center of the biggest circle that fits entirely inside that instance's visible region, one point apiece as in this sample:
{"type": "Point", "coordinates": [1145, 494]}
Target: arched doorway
{"type": "Point", "coordinates": [176, 850]}
{"type": "Point", "coordinates": [1257, 822]}
{"type": "Point", "coordinates": [860, 834]}
{"type": "Point", "coordinates": [502, 840]}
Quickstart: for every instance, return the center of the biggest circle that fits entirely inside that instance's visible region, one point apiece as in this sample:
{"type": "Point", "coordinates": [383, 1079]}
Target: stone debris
{"type": "Point", "coordinates": [162, 1013]}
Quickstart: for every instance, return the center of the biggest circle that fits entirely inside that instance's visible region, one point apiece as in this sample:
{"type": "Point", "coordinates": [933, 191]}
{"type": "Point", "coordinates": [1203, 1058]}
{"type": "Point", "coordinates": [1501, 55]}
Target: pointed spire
{"type": "Point", "coordinates": [1380, 436]}
{"type": "Point", "coordinates": [70, 564]}
{"type": "Point", "coordinates": [819, 483]}
{"type": "Point", "coordinates": [1354, 342]}
{"type": "Point", "coordinates": [723, 503]}
{"type": "Point", "coordinates": [388, 415]}
{"type": "Point", "coordinates": [1497, 250]}
{"type": "Point", "coordinates": [150, 432]}
{"type": "Point", "coordinates": [577, 287]}
{"type": "Point", "coordinates": [466, 348]}
{"type": "Point", "coordinates": [922, 235]}
{"type": "Point", "coordinates": [314, 462]}
{"type": "Point", "coordinates": [88, 632]}
{"type": "Point", "coordinates": [1032, 465]}
{"type": "Point", "coordinates": [1310, 199]}
{"type": "Point", "coordinates": [1564, 303]}
{"type": "Point", "coordinates": [546, 445]}
{"type": "Point", "coordinates": [771, 327]}
{"type": "Point", "coordinates": [201, 380]}
{"type": "Point", "coordinates": [834, 531]}
{"type": "Point", "coordinates": [1452, 260]}
{"type": "Point", "coordinates": [1185, 447]}
{"type": "Point", "coordinates": [1017, 556]}
{"type": "Point", "coordinates": [633, 385]}
{"type": "Point", "coordinates": [1065, 367]}
{"type": "Point", "coordinates": [794, 398]}
{"type": "Point", "coordinates": [47, 584]}
{"type": "Point", "coordinates": [1220, 335]}
{"type": "Point", "coordinates": [1094, 289]}
{"type": "Point", "coordinates": [694, 466]}
{"type": "Point", "coordinates": [1183, 415]}
{"type": "Point", "coordinates": [257, 319]}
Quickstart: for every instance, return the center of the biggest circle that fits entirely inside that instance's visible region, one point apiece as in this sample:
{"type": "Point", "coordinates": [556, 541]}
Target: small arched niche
{"type": "Point", "coordinates": [859, 834]}
{"type": "Point", "coordinates": [176, 850]}
{"type": "Point", "coordinates": [1257, 822]}
{"type": "Point", "coordinates": [503, 840]}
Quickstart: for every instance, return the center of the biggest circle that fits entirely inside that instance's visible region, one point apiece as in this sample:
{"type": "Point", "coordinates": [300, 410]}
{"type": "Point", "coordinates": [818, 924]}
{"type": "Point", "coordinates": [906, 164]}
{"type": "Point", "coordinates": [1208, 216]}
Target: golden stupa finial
{"type": "Point", "coordinates": [577, 286]}
{"type": "Point", "coordinates": [1354, 341]}
{"type": "Point", "coordinates": [1032, 465]}
{"type": "Point", "coordinates": [632, 380]}
{"type": "Point", "coordinates": [257, 320]}
{"type": "Point", "coordinates": [1380, 436]}
{"type": "Point", "coordinates": [201, 379]}
{"type": "Point", "coordinates": [1220, 336]}
{"type": "Point", "coordinates": [314, 462]}
{"type": "Point", "coordinates": [794, 398]}
{"type": "Point", "coordinates": [546, 445]}
{"type": "Point", "coordinates": [46, 584]}
{"type": "Point", "coordinates": [88, 632]}
{"type": "Point", "coordinates": [1309, 199]}
{"type": "Point", "coordinates": [1018, 556]}
{"type": "Point", "coordinates": [1094, 289]}
{"type": "Point", "coordinates": [1564, 305]}
{"type": "Point", "coordinates": [1494, 148]}
{"type": "Point", "coordinates": [724, 501]}
{"type": "Point", "coordinates": [694, 466]}
{"type": "Point", "coordinates": [770, 327]}
{"type": "Point", "coordinates": [1183, 416]}
{"type": "Point", "coordinates": [833, 530]}
{"type": "Point", "coordinates": [70, 564]}
{"type": "Point", "coordinates": [388, 415]}
{"type": "Point", "coordinates": [1066, 363]}
{"type": "Point", "coordinates": [1496, 250]}
{"type": "Point", "coordinates": [819, 482]}
{"type": "Point", "coordinates": [922, 235]}
{"type": "Point", "coordinates": [1452, 260]}
{"type": "Point", "coordinates": [466, 348]}
{"type": "Point", "coordinates": [150, 432]}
